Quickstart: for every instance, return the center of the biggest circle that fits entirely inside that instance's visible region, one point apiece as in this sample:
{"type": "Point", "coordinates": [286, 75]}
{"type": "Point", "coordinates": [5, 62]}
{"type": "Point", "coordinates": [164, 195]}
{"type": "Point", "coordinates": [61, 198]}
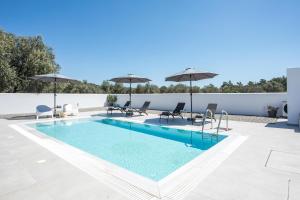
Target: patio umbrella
{"type": "Point", "coordinates": [190, 75]}
{"type": "Point", "coordinates": [130, 78]}
{"type": "Point", "coordinates": [54, 78]}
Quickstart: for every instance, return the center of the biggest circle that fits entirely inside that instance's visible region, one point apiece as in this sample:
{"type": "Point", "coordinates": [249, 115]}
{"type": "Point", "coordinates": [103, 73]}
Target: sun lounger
{"type": "Point", "coordinates": [176, 112]}
{"type": "Point", "coordinates": [43, 110]}
{"type": "Point", "coordinates": [122, 109]}
{"type": "Point", "coordinates": [144, 108]}
{"type": "Point", "coordinates": [210, 110]}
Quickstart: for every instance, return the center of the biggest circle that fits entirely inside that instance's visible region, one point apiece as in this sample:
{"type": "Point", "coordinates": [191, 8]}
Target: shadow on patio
{"type": "Point", "coordinates": [283, 124]}
{"type": "Point", "coordinates": [19, 117]}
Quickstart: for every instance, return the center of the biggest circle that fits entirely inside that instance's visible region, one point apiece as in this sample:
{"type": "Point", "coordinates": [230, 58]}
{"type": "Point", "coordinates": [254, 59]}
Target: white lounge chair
{"type": "Point", "coordinates": [43, 110]}
{"type": "Point", "coordinates": [70, 109]}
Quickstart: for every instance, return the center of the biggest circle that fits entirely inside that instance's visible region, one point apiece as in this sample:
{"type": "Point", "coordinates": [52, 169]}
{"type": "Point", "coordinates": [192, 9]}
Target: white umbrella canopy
{"type": "Point", "coordinates": [54, 78]}
{"type": "Point", "coordinates": [130, 78]}
{"type": "Point", "coordinates": [190, 74]}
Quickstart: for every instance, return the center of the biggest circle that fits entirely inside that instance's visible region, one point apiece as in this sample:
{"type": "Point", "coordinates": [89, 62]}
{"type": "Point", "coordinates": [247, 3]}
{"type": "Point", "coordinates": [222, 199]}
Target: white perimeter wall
{"type": "Point", "coordinates": [293, 88]}
{"type": "Point", "coordinates": [233, 103]}
{"type": "Point", "coordinates": [17, 103]}
{"type": "Point", "coordinates": [245, 104]}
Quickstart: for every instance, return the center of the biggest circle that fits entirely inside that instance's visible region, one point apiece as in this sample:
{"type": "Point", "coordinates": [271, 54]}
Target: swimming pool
{"type": "Point", "coordinates": [148, 150]}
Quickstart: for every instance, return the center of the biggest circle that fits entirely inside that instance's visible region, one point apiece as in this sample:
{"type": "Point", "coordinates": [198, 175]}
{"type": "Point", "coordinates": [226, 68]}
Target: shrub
{"type": "Point", "coordinates": [111, 99]}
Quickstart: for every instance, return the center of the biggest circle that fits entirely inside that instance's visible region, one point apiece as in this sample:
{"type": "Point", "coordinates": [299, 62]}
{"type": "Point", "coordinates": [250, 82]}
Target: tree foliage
{"type": "Point", "coordinates": [273, 85]}
{"type": "Point", "coordinates": [23, 57]}
{"type": "Point", "coordinates": [7, 73]}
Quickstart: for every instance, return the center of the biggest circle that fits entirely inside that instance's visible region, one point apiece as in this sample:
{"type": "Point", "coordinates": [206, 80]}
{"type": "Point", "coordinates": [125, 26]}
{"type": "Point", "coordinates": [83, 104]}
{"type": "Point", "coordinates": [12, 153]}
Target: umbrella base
{"type": "Point", "coordinates": [129, 113]}
{"type": "Point", "coordinates": [191, 119]}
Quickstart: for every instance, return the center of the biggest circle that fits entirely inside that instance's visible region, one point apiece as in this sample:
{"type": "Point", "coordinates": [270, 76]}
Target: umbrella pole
{"type": "Point", "coordinates": [191, 98]}
{"type": "Point", "coordinates": [130, 93]}
{"type": "Point", "coordinates": [55, 97]}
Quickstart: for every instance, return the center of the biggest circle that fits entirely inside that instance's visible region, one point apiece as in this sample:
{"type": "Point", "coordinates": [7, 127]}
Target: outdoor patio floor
{"type": "Point", "coordinates": [265, 166]}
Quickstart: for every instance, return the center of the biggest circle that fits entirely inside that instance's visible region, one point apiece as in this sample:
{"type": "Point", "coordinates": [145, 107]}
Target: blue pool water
{"type": "Point", "coordinates": [151, 151]}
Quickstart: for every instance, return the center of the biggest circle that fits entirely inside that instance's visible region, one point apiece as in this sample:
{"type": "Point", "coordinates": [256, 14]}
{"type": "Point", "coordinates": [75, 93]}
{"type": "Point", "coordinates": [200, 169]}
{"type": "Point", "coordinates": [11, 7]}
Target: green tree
{"type": "Point", "coordinates": [8, 78]}
{"type": "Point", "coordinates": [21, 58]}
{"type": "Point", "coordinates": [163, 89]}
{"type": "Point", "coordinates": [153, 89]}
{"type": "Point", "coordinates": [170, 89]}
{"type": "Point", "coordinates": [31, 57]}
{"type": "Point", "coordinates": [227, 87]}
{"type": "Point", "coordinates": [106, 87]}
{"type": "Point", "coordinates": [7, 73]}
{"type": "Point", "coordinates": [180, 88]}
{"type": "Point", "coordinates": [118, 88]}
{"type": "Point", "coordinates": [195, 89]}
{"type": "Point", "coordinates": [139, 89]}
{"type": "Point", "coordinates": [210, 89]}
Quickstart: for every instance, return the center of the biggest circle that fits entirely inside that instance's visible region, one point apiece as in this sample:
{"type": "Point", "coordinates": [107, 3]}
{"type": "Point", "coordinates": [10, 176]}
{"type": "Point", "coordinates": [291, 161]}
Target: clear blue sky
{"type": "Point", "coordinates": [96, 40]}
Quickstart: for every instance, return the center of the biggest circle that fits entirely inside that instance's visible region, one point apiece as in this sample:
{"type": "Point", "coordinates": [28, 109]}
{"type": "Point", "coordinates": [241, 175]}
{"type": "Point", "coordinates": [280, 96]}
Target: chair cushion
{"type": "Point", "coordinates": [112, 108]}
{"type": "Point", "coordinates": [167, 113]}
{"type": "Point", "coordinates": [199, 116]}
{"type": "Point", "coordinates": [43, 108]}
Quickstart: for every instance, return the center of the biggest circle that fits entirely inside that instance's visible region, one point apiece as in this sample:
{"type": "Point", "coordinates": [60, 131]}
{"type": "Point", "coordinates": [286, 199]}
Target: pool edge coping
{"type": "Point", "coordinates": [166, 187]}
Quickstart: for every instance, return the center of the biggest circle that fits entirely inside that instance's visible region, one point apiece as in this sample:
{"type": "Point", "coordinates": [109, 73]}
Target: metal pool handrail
{"type": "Point", "coordinates": [208, 111]}
{"type": "Point", "coordinates": [219, 124]}
{"type": "Point", "coordinates": [220, 120]}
